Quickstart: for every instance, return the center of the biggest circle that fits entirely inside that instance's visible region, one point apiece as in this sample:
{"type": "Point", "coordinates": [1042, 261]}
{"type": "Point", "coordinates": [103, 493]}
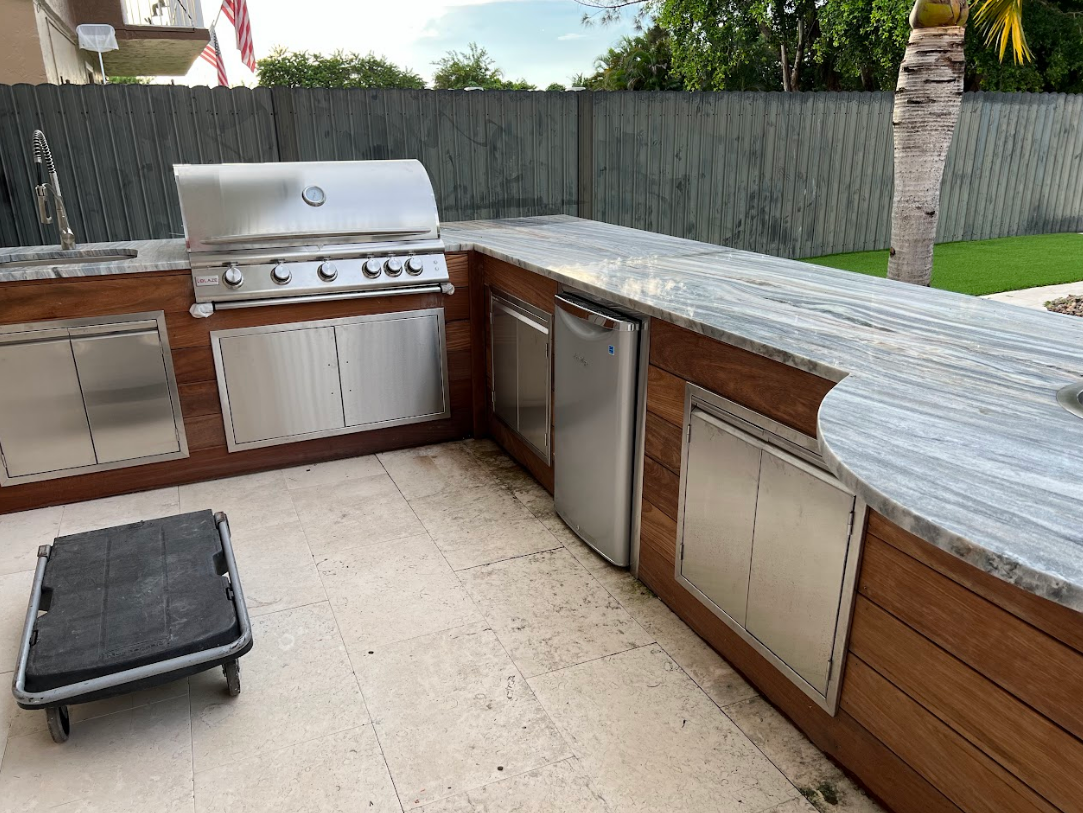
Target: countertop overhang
{"type": "Point", "coordinates": [944, 420]}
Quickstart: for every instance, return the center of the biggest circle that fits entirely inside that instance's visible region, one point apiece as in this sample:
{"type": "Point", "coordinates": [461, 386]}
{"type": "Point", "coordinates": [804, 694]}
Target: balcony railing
{"type": "Point", "coordinates": [170, 13]}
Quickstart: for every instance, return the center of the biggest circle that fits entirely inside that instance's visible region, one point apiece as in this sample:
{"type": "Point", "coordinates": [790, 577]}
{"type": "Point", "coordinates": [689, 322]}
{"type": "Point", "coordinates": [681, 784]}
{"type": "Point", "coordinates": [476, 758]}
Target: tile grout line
{"type": "Point", "coordinates": [349, 659]}
{"type": "Point", "coordinates": [507, 778]}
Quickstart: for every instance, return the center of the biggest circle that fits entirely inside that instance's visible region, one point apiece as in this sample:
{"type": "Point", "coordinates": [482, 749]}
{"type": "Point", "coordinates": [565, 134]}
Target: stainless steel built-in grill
{"type": "Point", "coordinates": [266, 234]}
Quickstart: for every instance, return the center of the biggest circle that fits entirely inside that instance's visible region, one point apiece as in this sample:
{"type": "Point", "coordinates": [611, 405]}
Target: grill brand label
{"type": "Point", "coordinates": [206, 279]}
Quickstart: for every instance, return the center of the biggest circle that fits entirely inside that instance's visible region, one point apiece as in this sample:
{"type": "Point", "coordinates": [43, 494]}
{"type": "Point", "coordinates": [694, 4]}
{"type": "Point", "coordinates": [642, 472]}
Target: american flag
{"type": "Point", "coordinates": [213, 54]}
{"type": "Point", "coordinates": [236, 12]}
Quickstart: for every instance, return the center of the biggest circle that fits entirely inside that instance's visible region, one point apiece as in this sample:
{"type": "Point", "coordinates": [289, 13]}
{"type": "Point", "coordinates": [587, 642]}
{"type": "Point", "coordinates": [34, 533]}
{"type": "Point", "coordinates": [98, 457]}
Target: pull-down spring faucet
{"type": "Point", "coordinates": [48, 183]}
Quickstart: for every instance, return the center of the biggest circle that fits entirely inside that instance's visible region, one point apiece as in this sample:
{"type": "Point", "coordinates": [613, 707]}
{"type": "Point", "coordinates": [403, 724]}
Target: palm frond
{"type": "Point", "coordinates": [1002, 22]}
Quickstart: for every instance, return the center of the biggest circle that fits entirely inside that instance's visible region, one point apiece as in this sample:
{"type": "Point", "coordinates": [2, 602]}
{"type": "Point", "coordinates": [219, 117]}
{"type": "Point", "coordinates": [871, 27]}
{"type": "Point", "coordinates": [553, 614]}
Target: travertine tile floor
{"type": "Point", "coordinates": [428, 635]}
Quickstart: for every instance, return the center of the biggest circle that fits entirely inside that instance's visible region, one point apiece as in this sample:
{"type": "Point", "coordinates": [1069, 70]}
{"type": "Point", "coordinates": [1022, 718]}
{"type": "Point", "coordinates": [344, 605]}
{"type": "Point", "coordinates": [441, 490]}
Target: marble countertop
{"type": "Point", "coordinates": [151, 255]}
{"type": "Point", "coordinates": [945, 419]}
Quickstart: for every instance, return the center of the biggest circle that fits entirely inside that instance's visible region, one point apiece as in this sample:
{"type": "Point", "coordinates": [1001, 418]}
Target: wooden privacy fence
{"type": "Point", "coordinates": [794, 175]}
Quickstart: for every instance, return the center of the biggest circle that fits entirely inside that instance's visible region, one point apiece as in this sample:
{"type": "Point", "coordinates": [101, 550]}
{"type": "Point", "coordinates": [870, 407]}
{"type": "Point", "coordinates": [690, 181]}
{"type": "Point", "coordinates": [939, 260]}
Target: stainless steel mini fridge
{"type": "Point", "coordinates": [596, 360]}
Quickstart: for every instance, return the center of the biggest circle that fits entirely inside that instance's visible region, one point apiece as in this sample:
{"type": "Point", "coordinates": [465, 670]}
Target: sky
{"type": "Point", "coordinates": [542, 41]}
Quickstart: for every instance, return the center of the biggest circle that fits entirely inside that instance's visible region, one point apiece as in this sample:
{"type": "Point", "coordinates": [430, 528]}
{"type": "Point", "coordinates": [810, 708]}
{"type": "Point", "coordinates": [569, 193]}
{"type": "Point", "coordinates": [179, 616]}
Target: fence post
{"type": "Point", "coordinates": [285, 124]}
{"type": "Point", "coordinates": [586, 153]}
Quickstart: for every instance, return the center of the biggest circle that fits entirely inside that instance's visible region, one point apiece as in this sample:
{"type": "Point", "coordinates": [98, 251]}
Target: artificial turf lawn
{"type": "Point", "coordinates": [985, 266]}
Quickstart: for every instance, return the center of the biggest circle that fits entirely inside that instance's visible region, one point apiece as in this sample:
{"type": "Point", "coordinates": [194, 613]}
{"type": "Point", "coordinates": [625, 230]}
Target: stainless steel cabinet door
{"type": "Point", "coordinates": [801, 541]}
{"type": "Point", "coordinates": [534, 385]}
{"type": "Point", "coordinates": [392, 370]}
{"type": "Point", "coordinates": [126, 393]}
{"type": "Point", "coordinates": [519, 344]}
{"type": "Point", "coordinates": [43, 426]}
{"type": "Point", "coordinates": [281, 384]}
{"type": "Point", "coordinates": [722, 479]}
{"type": "Point", "coordinates": [504, 333]}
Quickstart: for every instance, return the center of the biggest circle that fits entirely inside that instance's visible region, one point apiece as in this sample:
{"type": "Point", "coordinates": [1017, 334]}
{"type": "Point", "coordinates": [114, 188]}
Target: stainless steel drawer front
{"type": "Point", "coordinates": [126, 393]}
{"type": "Point", "coordinates": [282, 383]}
{"type": "Point", "coordinates": [595, 369]}
{"type": "Point", "coordinates": [43, 426]}
{"type": "Point", "coordinates": [391, 370]}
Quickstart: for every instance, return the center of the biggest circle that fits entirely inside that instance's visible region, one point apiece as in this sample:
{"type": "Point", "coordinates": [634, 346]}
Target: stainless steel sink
{"type": "Point", "coordinates": [1071, 398]}
{"type": "Point", "coordinates": [56, 257]}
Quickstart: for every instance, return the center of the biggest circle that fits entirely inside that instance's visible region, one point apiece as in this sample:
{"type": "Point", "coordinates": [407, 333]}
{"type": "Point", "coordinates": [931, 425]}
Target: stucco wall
{"type": "Point", "coordinates": [38, 44]}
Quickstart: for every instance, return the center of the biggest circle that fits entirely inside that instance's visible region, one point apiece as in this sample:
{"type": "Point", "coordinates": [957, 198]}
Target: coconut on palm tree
{"type": "Point", "coordinates": [927, 102]}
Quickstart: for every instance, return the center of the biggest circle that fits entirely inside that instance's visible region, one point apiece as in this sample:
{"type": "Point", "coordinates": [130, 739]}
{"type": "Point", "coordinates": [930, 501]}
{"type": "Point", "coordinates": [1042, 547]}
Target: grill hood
{"type": "Point", "coordinates": [237, 208]}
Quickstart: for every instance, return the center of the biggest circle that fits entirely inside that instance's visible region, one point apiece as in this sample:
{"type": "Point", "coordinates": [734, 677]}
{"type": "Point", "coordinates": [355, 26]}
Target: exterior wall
{"type": "Point", "coordinates": [38, 44]}
{"type": "Point", "coordinates": [21, 59]}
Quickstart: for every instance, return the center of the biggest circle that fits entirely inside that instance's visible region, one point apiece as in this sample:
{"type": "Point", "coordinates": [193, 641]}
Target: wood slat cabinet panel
{"type": "Point", "coordinates": [665, 397]}
{"type": "Point", "coordinates": [41, 300]}
{"type": "Point", "coordinates": [784, 393]}
{"type": "Point", "coordinates": [1038, 669]}
{"type": "Point", "coordinates": [1054, 619]}
{"type": "Point", "coordinates": [663, 443]}
{"type": "Point", "coordinates": [962, 772]}
{"type": "Point", "coordinates": [663, 486]}
{"type": "Point", "coordinates": [1027, 744]}
{"type": "Point", "coordinates": [526, 285]}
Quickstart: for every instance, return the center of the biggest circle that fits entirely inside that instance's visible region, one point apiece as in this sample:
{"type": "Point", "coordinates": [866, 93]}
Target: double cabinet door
{"type": "Point", "coordinates": [522, 389]}
{"type": "Point", "coordinates": [85, 395]}
{"type": "Point", "coordinates": [291, 382]}
{"type": "Point", "coordinates": [765, 543]}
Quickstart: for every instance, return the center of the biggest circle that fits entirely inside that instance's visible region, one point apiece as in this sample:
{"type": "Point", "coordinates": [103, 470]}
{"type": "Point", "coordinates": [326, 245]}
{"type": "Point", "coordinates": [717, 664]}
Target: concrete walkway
{"type": "Point", "coordinates": [1037, 297]}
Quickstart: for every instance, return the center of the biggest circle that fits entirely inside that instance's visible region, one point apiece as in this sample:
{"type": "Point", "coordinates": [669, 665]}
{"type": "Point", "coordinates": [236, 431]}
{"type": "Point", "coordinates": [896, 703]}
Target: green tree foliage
{"type": "Point", "coordinates": [862, 42]}
{"type": "Point", "coordinates": [556, 86]}
{"type": "Point", "coordinates": [301, 69]}
{"type": "Point", "coordinates": [457, 70]}
{"type": "Point", "coordinates": [840, 44]}
{"type": "Point", "coordinates": [643, 62]}
{"type": "Point", "coordinates": [1054, 30]}
{"type": "Point", "coordinates": [129, 80]}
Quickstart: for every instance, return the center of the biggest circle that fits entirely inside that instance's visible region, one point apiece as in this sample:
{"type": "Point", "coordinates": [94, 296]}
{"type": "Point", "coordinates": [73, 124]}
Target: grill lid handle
{"type": "Point", "coordinates": [294, 236]}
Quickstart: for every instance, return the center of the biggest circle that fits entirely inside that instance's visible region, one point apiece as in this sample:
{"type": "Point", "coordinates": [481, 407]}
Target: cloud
{"type": "Point", "coordinates": [573, 36]}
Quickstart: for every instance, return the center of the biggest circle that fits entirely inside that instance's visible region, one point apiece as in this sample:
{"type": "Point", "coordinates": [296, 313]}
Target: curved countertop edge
{"type": "Point", "coordinates": [1007, 568]}
{"type": "Point", "coordinates": [1044, 582]}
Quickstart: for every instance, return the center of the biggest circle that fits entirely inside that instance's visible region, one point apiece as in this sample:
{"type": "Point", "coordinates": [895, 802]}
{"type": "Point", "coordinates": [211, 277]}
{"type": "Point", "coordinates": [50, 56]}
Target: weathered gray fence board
{"type": "Point", "coordinates": [789, 174]}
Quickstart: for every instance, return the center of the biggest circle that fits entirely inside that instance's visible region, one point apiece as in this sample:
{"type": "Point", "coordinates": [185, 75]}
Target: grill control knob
{"type": "Point", "coordinates": [372, 268]}
{"type": "Point", "coordinates": [233, 276]}
{"type": "Point", "coordinates": [281, 274]}
{"type": "Point", "coordinates": [415, 265]}
{"type": "Point", "coordinates": [327, 271]}
{"type": "Point", "coordinates": [393, 267]}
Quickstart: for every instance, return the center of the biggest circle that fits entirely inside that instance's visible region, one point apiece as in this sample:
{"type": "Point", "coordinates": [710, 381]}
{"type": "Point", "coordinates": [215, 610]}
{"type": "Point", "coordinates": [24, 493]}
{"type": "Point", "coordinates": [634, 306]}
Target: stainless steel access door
{"type": "Point", "coordinates": [279, 383]}
{"type": "Point", "coordinates": [803, 521]}
{"type": "Point", "coordinates": [521, 380]}
{"type": "Point", "coordinates": [595, 367]}
{"type": "Point", "coordinates": [43, 426]}
{"type": "Point", "coordinates": [720, 511]}
{"type": "Point", "coordinates": [126, 390]}
{"type": "Point", "coordinates": [392, 369]}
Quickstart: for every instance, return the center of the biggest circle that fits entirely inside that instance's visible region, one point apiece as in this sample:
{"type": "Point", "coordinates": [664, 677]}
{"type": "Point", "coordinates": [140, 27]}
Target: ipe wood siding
{"type": "Point", "coordinates": [795, 175]}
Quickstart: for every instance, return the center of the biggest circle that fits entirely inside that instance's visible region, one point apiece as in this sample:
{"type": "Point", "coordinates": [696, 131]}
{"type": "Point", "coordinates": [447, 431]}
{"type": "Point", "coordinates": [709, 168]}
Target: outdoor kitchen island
{"type": "Point", "coordinates": [964, 662]}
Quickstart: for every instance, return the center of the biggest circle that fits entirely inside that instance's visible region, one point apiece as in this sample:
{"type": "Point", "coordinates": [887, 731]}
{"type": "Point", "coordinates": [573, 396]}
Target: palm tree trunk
{"type": "Point", "coordinates": [927, 102]}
